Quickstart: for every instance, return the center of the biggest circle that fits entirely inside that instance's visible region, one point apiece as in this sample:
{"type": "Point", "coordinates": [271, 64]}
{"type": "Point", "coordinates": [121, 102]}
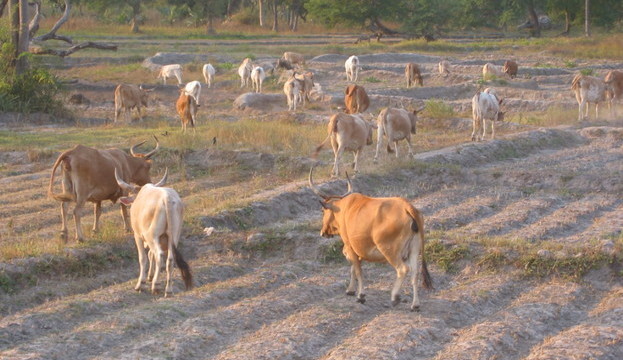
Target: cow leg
{"type": "Point", "coordinates": [64, 208]}
{"type": "Point", "coordinates": [158, 264]}
{"type": "Point", "coordinates": [97, 212]}
{"type": "Point", "coordinates": [355, 275]}
{"type": "Point", "coordinates": [484, 129]}
{"type": "Point", "coordinates": [475, 123]}
{"type": "Point", "coordinates": [396, 146]}
{"type": "Point", "coordinates": [77, 212]}
{"type": "Point", "coordinates": [493, 128]}
{"type": "Point", "coordinates": [409, 146]}
{"type": "Point", "coordinates": [379, 140]}
{"type": "Point", "coordinates": [596, 111]}
{"type": "Point", "coordinates": [152, 260]}
{"type": "Point", "coordinates": [167, 289]}
{"type": "Point", "coordinates": [336, 160]}
{"type": "Point", "coordinates": [124, 216]}
{"type": "Point", "coordinates": [356, 162]}
{"type": "Point", "coordinates": [142, 260]}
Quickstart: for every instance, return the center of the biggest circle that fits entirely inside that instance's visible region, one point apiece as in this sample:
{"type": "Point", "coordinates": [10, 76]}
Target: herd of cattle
{"type": "Point", "coordinates": [372, 229]}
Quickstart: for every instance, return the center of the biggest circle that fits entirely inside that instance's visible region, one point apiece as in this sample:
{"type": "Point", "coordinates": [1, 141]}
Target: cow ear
{"type": "Point", "coordinates": [126, 200]}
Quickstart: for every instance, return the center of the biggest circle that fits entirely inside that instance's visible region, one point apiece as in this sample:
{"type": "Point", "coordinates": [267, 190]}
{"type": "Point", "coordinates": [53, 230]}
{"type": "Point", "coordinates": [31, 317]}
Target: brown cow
{"type": "Point", "coordinates": [356, 99]}
{"type": "Point", "coordinates": [396, 124]}
{"type": "Point", "coordinates": [614, 86]}
{"type": "Point", "coordinates": [347, 132]}
{"type": "Point", "coordinates": [293, 58]}
{"type": "Point", "coordinates": [413, 75]}
{"type": "Point", "coordinates": [510, 68]}
{"type": "Point", "coordinates": [378, 230]}
{"type": "Point", "coordinates": [186, 107]}
{"type": "Point", "coordinates": [89, 175]}
{"type": "Point", "coordinates": [128, 97]}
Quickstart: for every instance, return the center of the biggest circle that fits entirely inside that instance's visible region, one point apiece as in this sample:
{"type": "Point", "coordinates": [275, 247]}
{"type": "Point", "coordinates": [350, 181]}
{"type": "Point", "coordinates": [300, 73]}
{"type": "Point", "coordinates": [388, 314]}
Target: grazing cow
{"type": "Point", "coordinates": [186, 109]}
{"type": "Point", "coordinates": [293, 58]}
{"type": "Point", "coordinates": [378, 230]}
{"type": "Point", "coordinates": [284, 64]}
{"type": "Point", "coordinates": [347, 133]}
{"type": "Point", "coordinates": [614, 86]}
{"type": "Point", "coordinates": [193, 89]}
{"type": "Point", "coordinates": [489, 70]}
{"type": "Point", "coordinates": [244, 71]}
{"type": "Point", "coordinates": [413, 75]}
{"type": "Point", "coordinates": [510, 68]}
{"type": "Point", "coordinates": [157, 217]}
{"type": "Point", "coordinates": [396, 124]}
{"type": "Point", "coordinates": [172, 70]}
{"type": "Point", "coordinates": [444, 67]}
{"type": "Point", "coordinates": [88, 175]}
{"type": "Point", "coordinates": [352, 67]}
{"type": "Point", "coordinates": [306, 82]}
{"type": "Point", "coordinates": [292, 89]}
{"type": "Point", "coordinates": [128, 97]}
{"type": "Point", "coordinates": [356, 99]}
{"type": "Point", "coordinates": [485, 106]}
{"type": "Point", "coordinates": [588, 89]}
{"type": "Point", "coordinates": [257, 77]}
{"type": "Point", "coordinates": [208, 74]}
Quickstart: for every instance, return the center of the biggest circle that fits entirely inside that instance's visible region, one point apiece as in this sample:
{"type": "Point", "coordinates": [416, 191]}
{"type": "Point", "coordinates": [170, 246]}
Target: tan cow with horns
{"type": "Point", "coordinates": [89, 175]}
{"type": "Point", "coordinates": [377, 230]}
{"type": "Point", "coordinates": [157, 216]}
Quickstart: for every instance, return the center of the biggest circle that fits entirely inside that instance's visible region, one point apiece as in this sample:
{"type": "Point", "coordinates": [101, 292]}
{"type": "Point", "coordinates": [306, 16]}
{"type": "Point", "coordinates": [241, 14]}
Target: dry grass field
{"type": "Point", "coordinates": [524, 232]}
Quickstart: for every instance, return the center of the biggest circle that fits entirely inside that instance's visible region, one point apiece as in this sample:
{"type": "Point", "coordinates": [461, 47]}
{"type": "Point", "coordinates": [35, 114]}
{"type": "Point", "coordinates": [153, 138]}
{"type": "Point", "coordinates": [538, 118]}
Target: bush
{"type": "Point", "coordinates": [438, 109]}
{"type": "Point", "coordinates": [36, 90]}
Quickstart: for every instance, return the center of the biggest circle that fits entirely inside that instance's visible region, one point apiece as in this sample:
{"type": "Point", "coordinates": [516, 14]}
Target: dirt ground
{"type": "Point", "coordinates": [263, 289]}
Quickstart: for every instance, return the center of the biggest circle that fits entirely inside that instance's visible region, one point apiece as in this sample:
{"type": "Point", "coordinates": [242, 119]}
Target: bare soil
{"type": "Point", "coordinates": [264, 286]}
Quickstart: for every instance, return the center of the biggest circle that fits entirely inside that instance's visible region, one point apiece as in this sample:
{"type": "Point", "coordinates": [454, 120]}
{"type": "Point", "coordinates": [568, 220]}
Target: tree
{"type": "Point", "coordinates": [569, 8]}
{"type": "Point", "coordinates": [135, 7]}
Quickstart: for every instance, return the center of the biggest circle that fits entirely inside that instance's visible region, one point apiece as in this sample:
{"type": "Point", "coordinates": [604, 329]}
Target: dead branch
{"type": "Point", "coordinates": [52, 34]}
{"type": "Point", "coordinates": [62, 53]}
{"type": "Point", "coordinates": [33, 27]}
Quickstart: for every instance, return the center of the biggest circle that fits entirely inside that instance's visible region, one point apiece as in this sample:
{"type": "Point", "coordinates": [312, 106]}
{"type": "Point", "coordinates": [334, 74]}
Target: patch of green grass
{"type": "Point", "coordinates": [569, 267]}
{"type": "Point", "coordinates": [438, 109]}
{"type": "Point", "coordinates": [587, 72]}
{"type": "Point", "coordinates": [570, 64]}
{"type": "Point", "coordinates": [372, 79]}
{"type": "Point", "coordinates": [446, 257]}
{"type": "Point", "coordinates": [332, 252]}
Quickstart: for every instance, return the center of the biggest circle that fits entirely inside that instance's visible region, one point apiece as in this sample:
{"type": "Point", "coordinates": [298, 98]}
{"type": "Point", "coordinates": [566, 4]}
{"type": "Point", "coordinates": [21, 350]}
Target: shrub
{"type": "Point", "coordinates": [438, 109]}
{"type": "Point", "coordinates": [36, 90]}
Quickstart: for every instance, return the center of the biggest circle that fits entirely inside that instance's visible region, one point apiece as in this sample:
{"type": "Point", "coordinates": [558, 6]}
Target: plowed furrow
{"type": "Point", "coordinates": [512, 331]}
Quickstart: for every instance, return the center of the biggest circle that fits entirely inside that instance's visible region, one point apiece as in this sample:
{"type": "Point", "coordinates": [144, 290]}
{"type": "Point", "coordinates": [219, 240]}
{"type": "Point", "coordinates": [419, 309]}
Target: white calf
{"type": "Point", "coordinates": [257, 77]}
{"type": "Point", "coordinates": [172, 70]}
{"type": "Point", "coordinates": [588, 89]}
{"type": "Point", "coordinates": [485, 106]}
{"type": "Point", "coordinates": [352, 68]}
{"type": "Point", "coordinates": [396, 124]}
{"type": "Point", "coordinates": [244, 71]}
{"type": "Point", "coordinates": [208, 74]}
{"type": "Point", "coordinates": [292, 89]}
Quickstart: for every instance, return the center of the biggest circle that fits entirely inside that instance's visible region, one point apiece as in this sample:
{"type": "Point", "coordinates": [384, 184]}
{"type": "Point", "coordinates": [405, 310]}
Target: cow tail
{"type": "Point", "coordinates": [384, 122]}
{"type": "Point", "coordinates": [187, 276]}
{"type": "Point", "coordinates": [417, 225]}
{"type": "Point", "coordinates": [332, 128]}
{"type": "Point", "coordinates": [576, 82]}
{"type": "Point", "coordinates": [65, 196]}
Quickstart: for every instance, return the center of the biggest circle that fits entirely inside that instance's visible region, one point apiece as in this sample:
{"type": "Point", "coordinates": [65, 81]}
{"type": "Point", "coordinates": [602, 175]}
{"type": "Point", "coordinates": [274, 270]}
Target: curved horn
{"type": "Point", "coordinates": [122, 184]}
{"type": "Point", "coordinates": [151, 153]}
{"type": "Point", "coordinates": [164, 178]}
{"type": "Point", "coordinates": [314, 187]}
{"type": "Point", "coordinates": [133, 149]}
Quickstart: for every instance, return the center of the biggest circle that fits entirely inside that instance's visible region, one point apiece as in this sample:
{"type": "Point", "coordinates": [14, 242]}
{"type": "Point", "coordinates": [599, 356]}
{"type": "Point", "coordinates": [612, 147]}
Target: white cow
{"type": "Point", "coordinates": [352, 68]}
{"type": "Point", "coordinates": [396, 124]}
{"type": "Point", "coordinates": [244, 70]}
{"type": "Point", "coordinates": [588, 89]}
{"type": "Point", "coordinates": [208, 74]}
{"type": "Point", "coordinates": [257, 78]}
{"type": "Point", "coordinates": [172, 70]}
{"type": "Point", "coordinates": [193, 89]}
{"type": "Point", "coordinates": [489, 70]}
{"type": "Point", "coordinates": [444, 67]}
{"type": "Point", "coordinates": [485, 106]}
{"type": "Point", "coordinates": [292, 89]}
{"type": "Point", "coordinates": [157, 217]}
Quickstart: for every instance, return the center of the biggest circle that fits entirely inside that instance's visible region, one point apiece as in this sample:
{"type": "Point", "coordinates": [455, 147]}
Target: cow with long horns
{"type": "Point", "coordinates": [377, 230]}
{"type": "Point", "coordinates": [157, 216]}
{"type": "Point", "coordinates": [89, 175]}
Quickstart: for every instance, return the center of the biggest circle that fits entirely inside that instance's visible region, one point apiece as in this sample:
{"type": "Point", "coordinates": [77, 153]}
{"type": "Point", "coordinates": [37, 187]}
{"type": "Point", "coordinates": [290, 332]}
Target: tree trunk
{"type": "Point", "coordinates": [14, 14]}
{"type": "Point", "coordinates": [210, 28]}
{"type": "Point", "coordinates": [567, 22]}
{"type": "Point", "coordinates": [295, 22]}
{"type": "Point", "coordinates": [24, 38]}
{"type": "Point", "coordinates": [534, 19]}
{"type": "Point", "coordinates": [275, 12]}
{"type": "Point", "coordinates": [587, 16]}
{"type": "Point", "coordinates": [260, 5]}
{"type": "Point", "coordinates": [136, 11]}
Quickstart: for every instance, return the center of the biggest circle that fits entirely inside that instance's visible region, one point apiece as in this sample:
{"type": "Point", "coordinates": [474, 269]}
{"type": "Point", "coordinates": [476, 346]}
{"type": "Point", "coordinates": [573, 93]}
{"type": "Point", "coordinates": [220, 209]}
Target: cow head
{"type": "Point", "coordinates": [370, 126]}
{"type": "Point", "coordinates": [284, 64]}
{"type": "Point", "coordinates": [330, 205]}
{"type": "Point", "coordinates": [413, 119]}
{"type": "Point", "coordinates": [144, 95]}
{"type": "Point", "coordinates": [133, 190]}
{"type": "Point", "coordinates": [500, 113]}
{"type": "Point", "coordinates": [142, 164]}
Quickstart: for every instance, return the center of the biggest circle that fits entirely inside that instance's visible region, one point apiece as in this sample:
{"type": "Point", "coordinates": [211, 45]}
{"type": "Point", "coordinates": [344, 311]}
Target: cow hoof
{"type": "Point", "coordinates": [168, 294]}
{"type": "Point", "coordinates": [396, 301]}
{"type": "Point", "coordinates": [350, 293]}
{"type": "Point", "coordinates": [361, 299]}
{"type": "Point", "coordinates": [415, 308]}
